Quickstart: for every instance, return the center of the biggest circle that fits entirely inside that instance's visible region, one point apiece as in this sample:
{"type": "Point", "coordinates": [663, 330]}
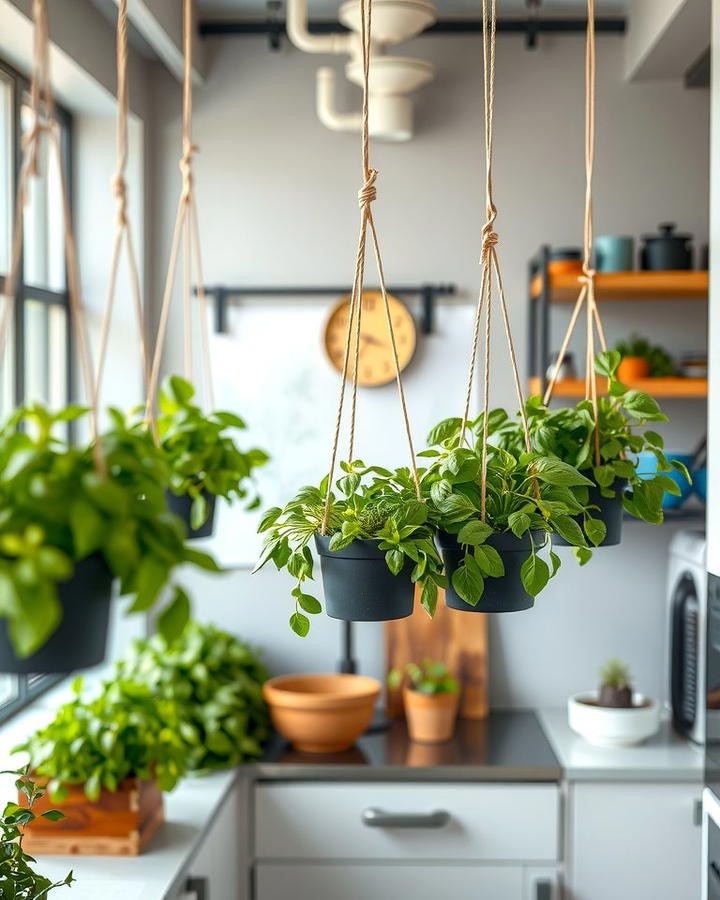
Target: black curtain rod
{"type": "Point", "coordinates": [616, 25]}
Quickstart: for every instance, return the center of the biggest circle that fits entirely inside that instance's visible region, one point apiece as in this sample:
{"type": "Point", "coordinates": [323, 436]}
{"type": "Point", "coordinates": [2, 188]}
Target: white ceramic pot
{"type": "Point", "coordinates": [609, 727]}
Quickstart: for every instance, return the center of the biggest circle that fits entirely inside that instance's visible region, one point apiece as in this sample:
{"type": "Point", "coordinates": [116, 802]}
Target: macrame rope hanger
{"type": "Point", "coordinates": [45, 125]}
{"type": "Point", "coordinates": [490, 269]}
{"type": "Point", "coordinates": [186, 233]}
{"type": "Point", "coordinates": [123, 229]}
{"type": "Point", "coordinates": [586, 296]}
{"type": "Point", "coordinates": [366, 195]}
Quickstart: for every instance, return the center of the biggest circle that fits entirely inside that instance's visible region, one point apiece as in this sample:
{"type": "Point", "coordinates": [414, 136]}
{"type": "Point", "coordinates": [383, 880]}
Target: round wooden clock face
{"type": "Point", "coordinates": [376, 366]}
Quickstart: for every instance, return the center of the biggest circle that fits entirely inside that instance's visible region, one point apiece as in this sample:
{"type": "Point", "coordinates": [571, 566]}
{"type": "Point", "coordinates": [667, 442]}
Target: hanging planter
{"type": "Point", "coordinates": [503, 593]}
{"type": "Point", "coordinates": [81, 637]}
{"type": "Point", "coordinates": [606, 507]}
{"type": "Point", "coordinates": [358, 585]}
{"type": "Point", "coordinates": [376, 538]}
{"type": "Point", "coordinates": [199, 508]}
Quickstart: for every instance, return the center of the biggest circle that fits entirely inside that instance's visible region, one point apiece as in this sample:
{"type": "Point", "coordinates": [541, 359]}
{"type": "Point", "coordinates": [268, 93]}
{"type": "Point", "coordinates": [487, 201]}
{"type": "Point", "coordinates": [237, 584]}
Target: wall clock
{"type": "Point", "coordinates": [376, 366]}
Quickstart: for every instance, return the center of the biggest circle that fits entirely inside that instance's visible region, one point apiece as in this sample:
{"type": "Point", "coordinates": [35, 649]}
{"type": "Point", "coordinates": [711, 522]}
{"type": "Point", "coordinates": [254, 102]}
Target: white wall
{"type": "Point", "coordinates": [277, 204]}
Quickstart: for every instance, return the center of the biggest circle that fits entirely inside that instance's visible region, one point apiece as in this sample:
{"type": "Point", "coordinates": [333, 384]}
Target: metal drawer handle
{"type": "Point", "coordinates": [197, 887]}
{"type": "Point", "coordinates": [378, 818]}
{"type": "Point", "coordinates": [543, 889]}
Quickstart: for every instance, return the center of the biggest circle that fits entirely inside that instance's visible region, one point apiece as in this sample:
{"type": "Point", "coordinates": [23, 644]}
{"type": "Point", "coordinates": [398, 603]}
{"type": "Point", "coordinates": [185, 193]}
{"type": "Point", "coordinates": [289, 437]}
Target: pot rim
{"type": "Point", "coordinates": [642, 704]}
{"type": "Point", "coordinates": [278, 693]}
{"type": "Point", "coordinates": [497, 539]}
{"type": "Point", "coordinates": [358, 548]}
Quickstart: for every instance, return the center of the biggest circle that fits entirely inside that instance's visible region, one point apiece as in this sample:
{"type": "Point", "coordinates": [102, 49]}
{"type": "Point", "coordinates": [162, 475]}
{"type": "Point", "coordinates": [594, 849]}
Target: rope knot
{"type": "Point", "coordinates": [368, 192]}
{"type": "Point", "coordinates": [189, 150]}
{"type": "Point", "coordinates": [119, 188]}
{"type": "Point", "coordinates": [489, 239]}
{"type": "Point", "coordinates": [588, 274]}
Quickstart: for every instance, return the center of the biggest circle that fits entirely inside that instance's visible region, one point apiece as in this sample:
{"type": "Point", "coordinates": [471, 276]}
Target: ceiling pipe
{"type": "Point", "coordinates": [297, 31]}
{"type": "Point", "coordinates": [326, 104]}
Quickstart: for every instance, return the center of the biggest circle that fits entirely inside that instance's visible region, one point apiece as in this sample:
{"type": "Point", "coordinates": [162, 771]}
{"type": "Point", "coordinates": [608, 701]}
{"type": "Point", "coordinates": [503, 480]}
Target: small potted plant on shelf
{"type": "Point", "coordinates": [67, 531]}
{"type": "Point", "coordinates": [204, 460]}
{"type": "Point", "coordinates": [496, 565]}
{"type": "Point", "coordinates": [431, 700]}
{"type": "Point", "coordinates": [18, 878]}
{"type": "Point", "coordinates": [105, 761]}
{"type": "Point", "coordinates": [216, 682]}
{"type": "Point", "coordinates": [378, 544]}
{"type": "Point", "coordinates": [568, 434]}
{"type": "Point", "coordinates": [614, 716]}
{"type": "Point", "coordinates": [640, 359]}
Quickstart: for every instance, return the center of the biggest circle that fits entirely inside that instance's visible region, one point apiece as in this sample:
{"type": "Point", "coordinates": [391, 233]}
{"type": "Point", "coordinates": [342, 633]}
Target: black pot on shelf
{"type": "Point", "coordinates": [666, 251]}
{"type": "Point", "coordinates": [81, 637]}
{"type": "Point", "coordinates": [358, 585]}
{"type": "Point", "coordinates": [610, 512]}
{"type": "Point", "coordinates": [504, 594]}
{"type": "Point", "coordinates": [181, 505]}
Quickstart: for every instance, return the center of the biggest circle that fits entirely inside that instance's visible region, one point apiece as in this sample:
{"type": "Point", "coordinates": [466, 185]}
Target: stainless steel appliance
{"type": "Point", "coordinates": [687, 607]}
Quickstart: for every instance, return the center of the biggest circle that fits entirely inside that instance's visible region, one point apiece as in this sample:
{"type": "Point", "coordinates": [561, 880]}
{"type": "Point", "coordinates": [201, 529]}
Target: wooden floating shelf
{"type": "Point", "coordinates": [564, 288]}
{"type": "Point", "coordinates": [656, 387]}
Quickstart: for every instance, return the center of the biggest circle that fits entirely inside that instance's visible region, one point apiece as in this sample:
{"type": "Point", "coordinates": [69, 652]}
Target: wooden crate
{"type": "Point", "coordinates": [118, 824]}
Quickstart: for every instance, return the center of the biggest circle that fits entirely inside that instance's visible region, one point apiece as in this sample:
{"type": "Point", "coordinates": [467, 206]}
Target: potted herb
{"type": "Point", "coordinates": [495, 565]}
{"type": "Point", "coordinates": [18, 878]}
{"type": "Point", "coordinates": [378, 544]}
{"type": "Point", "coordinates": [431, 700]}
{"type": "Point", "coordinates": [216, 682]}
{"type": "Point", "coordinates": [641, 359]}
{"type": "Point", "coordinates": [614, 716]}
{"type": "Point", "coordinates": [205, 462]}
{"type": "Point", "coordinates": [66, 531]}
{"type": "Point", "coordinates": [568, 434]}
{"type": "Point", "coordinates": [105, 761]}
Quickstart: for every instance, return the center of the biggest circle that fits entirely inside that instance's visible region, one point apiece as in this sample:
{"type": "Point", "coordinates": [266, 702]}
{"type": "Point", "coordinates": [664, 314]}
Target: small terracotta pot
{"type": "Point", "coordinates": [633, 367]}
{"type": "Point", "coordinates": [321, 713]}
{"type": "Point", "coordinates": [430, 717]}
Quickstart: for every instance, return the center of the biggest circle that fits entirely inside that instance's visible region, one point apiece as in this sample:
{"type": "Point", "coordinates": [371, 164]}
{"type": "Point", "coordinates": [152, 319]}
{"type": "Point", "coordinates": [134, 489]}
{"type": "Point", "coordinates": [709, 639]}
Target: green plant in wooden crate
{"type": "Point", "coordinates": [56, 510]}
{"type": "Point", "coordinates": [527, 495]}
{"type": "Point", "coordinates": [216, 681]}
{"type": "Point", "coordinates": [124, 731]}
{"type": "Point", "coordinates": [428, 677]}
{"type": "Point", "coordinates": [373, 504]}
{"type": "Point", "coordinates": [202, 455]}
{"type": "Point", "coordinates": [18, 879]}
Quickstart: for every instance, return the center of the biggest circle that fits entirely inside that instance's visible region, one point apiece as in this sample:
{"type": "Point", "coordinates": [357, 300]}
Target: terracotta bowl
{"type": "Point", "coordinates": [321, 713]}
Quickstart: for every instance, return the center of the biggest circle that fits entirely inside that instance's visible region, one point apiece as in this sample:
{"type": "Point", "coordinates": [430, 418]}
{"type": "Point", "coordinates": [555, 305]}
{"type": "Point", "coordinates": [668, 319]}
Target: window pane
{"type": "Point", "coordinates": [44, 247]}
{"type": "Point", "coordinates": [45, 354]}
{"type": "Point", "coordinates": [6, 171]}
{"type": "Point", "coordinates": [8, 689]}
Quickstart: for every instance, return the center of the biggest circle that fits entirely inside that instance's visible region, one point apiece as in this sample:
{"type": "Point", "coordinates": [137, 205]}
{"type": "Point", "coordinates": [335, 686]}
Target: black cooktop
{"type": "Point", "coordinates": [507, 746]}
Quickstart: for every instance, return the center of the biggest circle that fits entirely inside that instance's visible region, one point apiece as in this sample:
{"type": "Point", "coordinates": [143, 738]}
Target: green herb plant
{"type": "Point", "coordinates": [372, 504]}
{"type": "Point", "coordinates": [527, 494]}
{"type": "Point", "coordinates": [568, 434]}
{"type": "Point", "coordinates": [615, 674]}
{"type": "Point", "coordinates": [215, 681]}
{"type": "Point", "coordinates": [427, 678]}
{"type": "Point", "coordinates": [56, 510]}
{"type": "Point", "coordinates": [659, 360]}
{"type": "Point", "coordinates": [124, 731]}
{"type": "Point", "coordinates": [202, 455]}
{"type": "Point", "coordinates": [18, 879]}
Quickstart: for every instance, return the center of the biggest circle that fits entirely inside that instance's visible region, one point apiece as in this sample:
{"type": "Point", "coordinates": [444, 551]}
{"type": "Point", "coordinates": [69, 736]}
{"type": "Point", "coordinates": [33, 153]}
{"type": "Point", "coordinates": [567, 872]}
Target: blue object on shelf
{"type": "Point", "coordinates": [647, 466]}
{"type": "Point", "coordinates": [699, 477]}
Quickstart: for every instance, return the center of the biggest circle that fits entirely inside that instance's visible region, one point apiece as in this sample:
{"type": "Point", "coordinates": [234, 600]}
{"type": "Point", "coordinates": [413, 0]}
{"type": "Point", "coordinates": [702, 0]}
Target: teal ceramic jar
{"type": "Point", "coordinates": [613, 253]}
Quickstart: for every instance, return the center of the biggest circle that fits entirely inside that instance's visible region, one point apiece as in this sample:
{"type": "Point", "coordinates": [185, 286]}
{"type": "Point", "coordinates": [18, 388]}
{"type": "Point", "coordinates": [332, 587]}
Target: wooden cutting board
{"type": "Point", "coordinates": [458, 638]}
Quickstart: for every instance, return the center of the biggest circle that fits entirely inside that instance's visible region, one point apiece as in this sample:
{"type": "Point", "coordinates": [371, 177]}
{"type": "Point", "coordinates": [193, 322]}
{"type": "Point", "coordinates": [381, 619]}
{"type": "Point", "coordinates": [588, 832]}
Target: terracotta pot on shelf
{"type": "Point", "coordinates": [633, 367]}
{"type": "Point", "coordinates": [430, 717]}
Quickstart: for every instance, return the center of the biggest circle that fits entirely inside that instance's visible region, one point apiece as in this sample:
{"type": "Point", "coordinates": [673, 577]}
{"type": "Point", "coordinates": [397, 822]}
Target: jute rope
{"type": "Point", "coordinates": [123, 228]}
{"type": "Point", "coordinates": [586, 296]}
{"type": "Point", "coordinates": [44, 124]}
{"type": "Point", "coordinates": [366, 195]}
{"type": "Point", "coordinates": [490, 269]}
{"type": "Point", "coordinates": [186, 237]}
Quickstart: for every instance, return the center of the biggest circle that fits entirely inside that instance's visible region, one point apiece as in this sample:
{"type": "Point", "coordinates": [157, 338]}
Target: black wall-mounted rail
{"type": "Point", "coordinates": [222, 295]}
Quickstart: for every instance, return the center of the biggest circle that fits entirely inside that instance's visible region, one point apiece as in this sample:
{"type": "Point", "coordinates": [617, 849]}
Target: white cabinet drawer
{"type": "Point", "coordinates": [360, 882]}
{"type": "Point", "coordinates": [471, 821]}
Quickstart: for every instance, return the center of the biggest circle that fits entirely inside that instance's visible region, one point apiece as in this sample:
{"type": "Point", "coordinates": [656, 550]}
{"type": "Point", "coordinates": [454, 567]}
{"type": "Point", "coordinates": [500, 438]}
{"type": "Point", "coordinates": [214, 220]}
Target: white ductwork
{"type": "Point", "coordinates": [392, 78]}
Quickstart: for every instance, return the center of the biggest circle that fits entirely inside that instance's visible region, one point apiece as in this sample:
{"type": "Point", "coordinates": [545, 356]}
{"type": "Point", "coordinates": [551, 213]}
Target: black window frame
{"type": "Point", "coordinates": [28, 687]}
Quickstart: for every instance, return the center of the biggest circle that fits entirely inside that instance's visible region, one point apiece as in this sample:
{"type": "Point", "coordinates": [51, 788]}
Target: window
{"type": "Point", "coordinates": [35, 365]}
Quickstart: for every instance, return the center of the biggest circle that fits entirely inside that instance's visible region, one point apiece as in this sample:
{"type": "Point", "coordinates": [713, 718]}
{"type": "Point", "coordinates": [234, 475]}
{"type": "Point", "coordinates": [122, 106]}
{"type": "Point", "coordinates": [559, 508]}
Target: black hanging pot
{"type": "Point", "coordinates": [358, 585]}
{"type": "Point", "coordinates": [181, 505]}
{"type": "Point", "coordinates": [610, 511]}
{"type": "Point", "coordinates": [666, 250]}
{"type": "Point", "coordinates": [504, 594]}
{"type": "Point", "coordinates": [81, 637]}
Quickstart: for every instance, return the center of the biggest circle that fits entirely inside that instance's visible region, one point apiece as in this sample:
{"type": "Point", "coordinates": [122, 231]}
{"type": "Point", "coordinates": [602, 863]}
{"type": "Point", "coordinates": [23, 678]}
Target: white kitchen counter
{"type": "Point", "coordinates": [664, 757]}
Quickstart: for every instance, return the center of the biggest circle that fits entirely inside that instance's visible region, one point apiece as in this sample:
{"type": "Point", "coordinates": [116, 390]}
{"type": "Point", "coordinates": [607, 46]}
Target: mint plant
{"type": "Point", "coordinates": [428, 677]}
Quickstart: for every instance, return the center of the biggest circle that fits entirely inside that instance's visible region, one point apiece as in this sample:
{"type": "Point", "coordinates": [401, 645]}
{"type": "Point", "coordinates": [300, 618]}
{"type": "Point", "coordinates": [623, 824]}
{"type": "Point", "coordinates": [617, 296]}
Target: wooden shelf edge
{"type": "Point", "coordinates": [656, 387]}
{"type": "Point", "coordinates": [640, 285]}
